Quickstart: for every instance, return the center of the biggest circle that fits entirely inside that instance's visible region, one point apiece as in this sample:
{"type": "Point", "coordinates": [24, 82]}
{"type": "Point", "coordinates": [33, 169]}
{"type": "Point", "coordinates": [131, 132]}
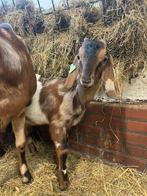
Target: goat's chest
{"type": "Point", "coordinates": [34, 114]}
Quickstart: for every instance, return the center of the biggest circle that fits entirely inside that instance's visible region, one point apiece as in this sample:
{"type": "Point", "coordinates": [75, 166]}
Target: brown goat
{"type": "Point", "coordinates": [62, 103]}
{"type": "Point", "coordinates": [17, 86]}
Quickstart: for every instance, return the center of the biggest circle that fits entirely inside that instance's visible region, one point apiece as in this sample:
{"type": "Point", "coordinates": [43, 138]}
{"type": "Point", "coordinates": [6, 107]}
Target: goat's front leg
{"type": "Point", "coordinates": [18, 125]}
{"type": "Point", "coordinates": [58, 135]}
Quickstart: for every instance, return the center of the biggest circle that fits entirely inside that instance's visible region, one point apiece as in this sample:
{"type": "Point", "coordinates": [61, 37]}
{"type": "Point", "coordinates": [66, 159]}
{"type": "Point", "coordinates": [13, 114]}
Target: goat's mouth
{"type": "Point", "coordinates": [86, 83]}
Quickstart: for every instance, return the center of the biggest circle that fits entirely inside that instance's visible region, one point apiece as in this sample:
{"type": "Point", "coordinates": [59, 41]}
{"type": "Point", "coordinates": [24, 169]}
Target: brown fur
{"type": "Point", "coordinates": [17, 86]}
{"type": "Point", "coordinates": [45, 101]}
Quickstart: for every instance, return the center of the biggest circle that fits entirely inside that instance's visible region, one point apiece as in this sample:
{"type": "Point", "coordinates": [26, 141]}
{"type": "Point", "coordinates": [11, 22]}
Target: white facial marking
{"type": "Point", "coordinates": [109, 85]}
{"type": "Point", "coordinates": [64, 171]}
{"type": "Point", "coordinates": [23, 169]}
{"type": "Point", "coordinates": [33, 111]}
{"type": "Point", "coordinates": [57, 144]}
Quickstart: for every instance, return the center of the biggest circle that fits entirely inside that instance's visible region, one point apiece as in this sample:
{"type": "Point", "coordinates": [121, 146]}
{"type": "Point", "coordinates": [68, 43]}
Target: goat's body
{"type": "Point", "coordinates": [50, 104]}
{"type": "Point", "coordinates": [17, 79]}
{"type": "Point", "coordinates": [61, 103]}
{"type": "Point", "coordinates": [34, 113]}
{"type": "Point", "coordinates": [17, 86]}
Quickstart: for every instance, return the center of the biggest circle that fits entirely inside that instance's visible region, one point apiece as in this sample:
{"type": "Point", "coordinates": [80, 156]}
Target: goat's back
{"type": "Point", "coordinates": [17, 77]}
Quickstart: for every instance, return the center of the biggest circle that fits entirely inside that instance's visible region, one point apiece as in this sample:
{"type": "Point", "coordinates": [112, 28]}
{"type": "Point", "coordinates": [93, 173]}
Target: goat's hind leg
{"type": "Point", "coordinates": [30, 143]}
{"type": "Point", "coordinates": [18, 125]}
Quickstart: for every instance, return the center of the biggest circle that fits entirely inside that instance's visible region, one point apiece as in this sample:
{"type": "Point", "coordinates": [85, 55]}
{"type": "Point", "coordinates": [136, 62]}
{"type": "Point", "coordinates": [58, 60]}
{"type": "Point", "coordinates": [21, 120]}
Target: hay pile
{"type": "Point", "coordinates": [126, 40]}
{"type": "Point", "coordinates": [87, 176]}
{"type": "Point", "coordinates": [16, 20]}
{"type": "Point", "coordinates": [53, 51]}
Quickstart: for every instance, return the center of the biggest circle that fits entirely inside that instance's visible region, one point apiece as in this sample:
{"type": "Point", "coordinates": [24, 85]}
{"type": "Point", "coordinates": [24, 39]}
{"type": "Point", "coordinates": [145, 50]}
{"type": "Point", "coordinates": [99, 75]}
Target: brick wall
{"type": "Point", "coordinates": [117, 133]}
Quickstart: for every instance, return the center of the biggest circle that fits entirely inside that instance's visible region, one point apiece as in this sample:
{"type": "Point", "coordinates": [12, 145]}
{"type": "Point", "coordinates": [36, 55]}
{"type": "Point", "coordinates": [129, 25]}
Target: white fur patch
{"type": "Point", "coordinates": [57, 144]}
{"type": "Point", "coordinates": [64, 171]}
{"type": "Point", "coordinates": [18, 128]}
{"type": "Point", "coordinates": [34, 112]}
{"type": "Point", "coordinates": [23, 169]}
{"type": "Point", "coordinates": [109, 86]}
{"type": "Point", "coordinates": [25, 179]}
{"type": "Point", "coordinates": [38, 77]}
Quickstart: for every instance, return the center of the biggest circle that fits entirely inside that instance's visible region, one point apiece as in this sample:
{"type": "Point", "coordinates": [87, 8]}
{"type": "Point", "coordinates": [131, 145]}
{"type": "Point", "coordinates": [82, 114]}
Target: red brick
{"type": "Point", "coordinates": [136, 113]}
{"type": "Point", "coordinates": [89, 130]}
{"type": "Point", "coordinates": [124, 159]}
{"type": "Point", "coordinates": [112, 156]}
{"type": "Point", "coordinates": [115, 124]}
{"type": "Point", "coordinates": [130, 138]}
{"type": "Point", "coordinates": [91, 141]}
{"type": "Point", "coordinates": [87, 150]}
{"type": "Point", "coordinates": [95, 108]}
{"type": "Point", "coordinates": [104, 121]}
{"type": "Point", "coordinates": [93, 119]}
{"type": "Point", "coordinates": [129, 150]}
{"type": "Point", "coordinates": [137, 152]}
{"type": "Point", "coordinates": [119, 111]}
{"type": "Point", "coordinates": [137, 126]}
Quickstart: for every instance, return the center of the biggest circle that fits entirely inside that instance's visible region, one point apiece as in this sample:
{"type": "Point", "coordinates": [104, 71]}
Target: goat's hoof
{"type": "Point", "coordinates": [63, 180]}
{"type": "Point", "coordinates": [66, 178]}
{"type": "Point", "coordinates": [64, 185]}
{"type": "Point", "coordinates": [27, 178]}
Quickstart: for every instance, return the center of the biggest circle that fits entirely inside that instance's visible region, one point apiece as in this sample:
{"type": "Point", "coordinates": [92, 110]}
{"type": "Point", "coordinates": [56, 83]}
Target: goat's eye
{"type": "Point", "coordinates": [78, 57]}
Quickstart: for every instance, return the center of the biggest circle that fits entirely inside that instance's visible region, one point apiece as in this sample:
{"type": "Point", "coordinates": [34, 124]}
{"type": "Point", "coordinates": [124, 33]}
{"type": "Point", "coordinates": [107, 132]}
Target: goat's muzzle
{"type": "Point", "coordinates": [86, 83]}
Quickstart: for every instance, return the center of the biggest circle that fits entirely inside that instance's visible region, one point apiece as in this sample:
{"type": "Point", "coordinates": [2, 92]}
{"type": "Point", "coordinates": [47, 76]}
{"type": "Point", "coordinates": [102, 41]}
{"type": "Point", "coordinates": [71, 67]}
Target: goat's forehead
{"type": "Point", "coordinates": [90, 48]}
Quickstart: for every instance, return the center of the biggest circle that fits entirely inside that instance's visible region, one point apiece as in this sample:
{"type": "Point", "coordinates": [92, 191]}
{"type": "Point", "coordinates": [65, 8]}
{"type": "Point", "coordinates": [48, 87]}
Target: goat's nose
{"type": "Point", "coordinates": [85, 79]}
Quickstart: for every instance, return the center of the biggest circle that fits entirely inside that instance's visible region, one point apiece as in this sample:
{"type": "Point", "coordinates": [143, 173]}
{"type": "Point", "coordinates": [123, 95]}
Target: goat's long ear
{"type": "Point", "coordinates": [108, 67]}
{"type": "Point", "coordinates": [71, 78]}
{"type": "Point", "coordinates": [108, 77]}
